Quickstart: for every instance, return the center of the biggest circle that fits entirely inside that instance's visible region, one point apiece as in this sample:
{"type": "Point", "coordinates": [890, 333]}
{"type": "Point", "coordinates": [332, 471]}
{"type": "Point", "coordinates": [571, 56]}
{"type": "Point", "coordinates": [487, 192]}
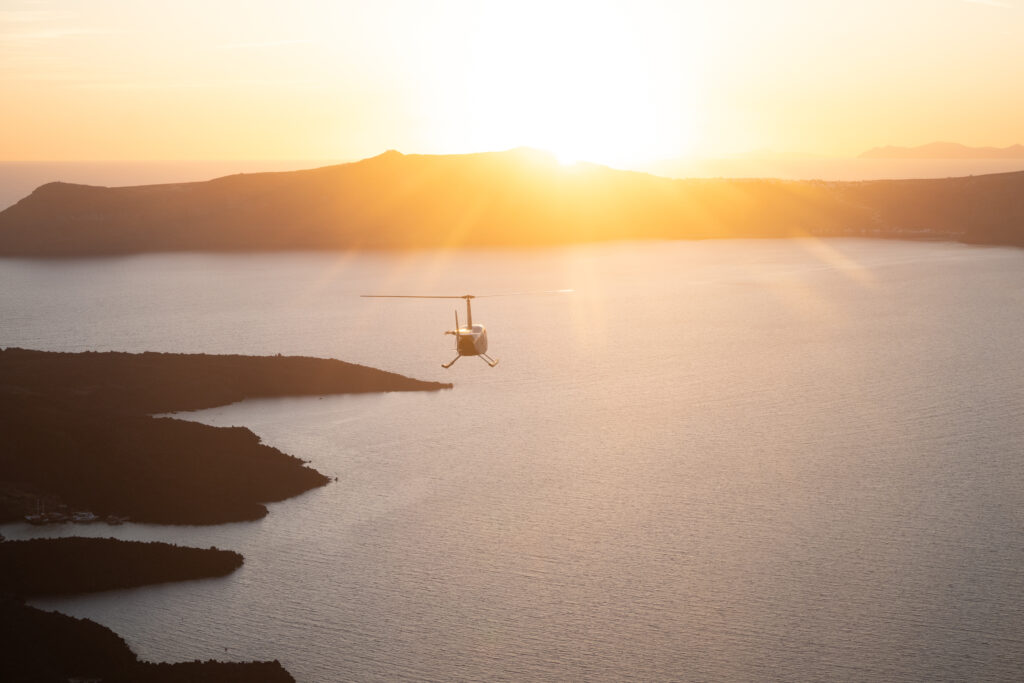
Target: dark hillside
{"type": "Point", "coordinates": [55, 566]}
{"type": "Point", "coordinates": [78, 432]}
{"type": "Point", "coordinates": [163, 382]}
{"type": "Point", "coordinates": [49, 647]}
{"type": "Point", "coordinates": [515, 198]}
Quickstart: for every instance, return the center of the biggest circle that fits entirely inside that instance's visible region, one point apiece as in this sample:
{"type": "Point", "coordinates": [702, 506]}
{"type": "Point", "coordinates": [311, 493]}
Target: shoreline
{"type": "Point", "coordinates": [50, 647]}
{"type": "Point", "coordinates": [40, 645]}
{"type": "Point", "coordinates": [81, 433]}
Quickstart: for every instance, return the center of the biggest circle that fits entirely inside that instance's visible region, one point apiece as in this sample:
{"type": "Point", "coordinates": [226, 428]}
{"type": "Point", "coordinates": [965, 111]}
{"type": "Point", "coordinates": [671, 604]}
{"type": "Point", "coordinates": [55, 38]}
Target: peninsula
{"type": "Point", "coordinates": [79, 435]}
{"type": "Point", "coordinates": [79, 432]}
{"type": "Point", "coordinates": [516, 198]}
{"type": "Point", "coordinates": [64, 566]}
{"type": "Point", "coordinates": [49, 647]}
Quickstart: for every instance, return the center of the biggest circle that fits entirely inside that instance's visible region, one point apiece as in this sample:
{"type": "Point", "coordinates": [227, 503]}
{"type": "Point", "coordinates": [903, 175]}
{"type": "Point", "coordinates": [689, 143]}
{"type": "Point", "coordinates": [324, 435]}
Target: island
{"type": "Point", "coordinates": [516, 198]}
{"type": "Point", "coordinates": [80, 436]}
{"type": "Point", "coordinates": [81, 442]}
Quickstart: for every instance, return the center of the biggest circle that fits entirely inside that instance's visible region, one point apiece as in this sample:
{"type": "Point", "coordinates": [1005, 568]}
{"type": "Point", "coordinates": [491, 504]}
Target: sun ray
{"type": "Point", "coordinates": [579, 81]}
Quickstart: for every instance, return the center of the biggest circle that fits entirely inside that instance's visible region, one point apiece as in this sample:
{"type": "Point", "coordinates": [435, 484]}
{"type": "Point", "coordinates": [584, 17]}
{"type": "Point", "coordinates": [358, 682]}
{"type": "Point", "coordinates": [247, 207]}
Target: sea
{"type": "Point", "coordinates": [733, 460]}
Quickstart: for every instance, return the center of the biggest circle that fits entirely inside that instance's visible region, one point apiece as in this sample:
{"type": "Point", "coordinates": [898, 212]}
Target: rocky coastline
{"type": "Point", "coordinates": [80, 433]}
{"type": "Point", "coordinates": [81, 444]}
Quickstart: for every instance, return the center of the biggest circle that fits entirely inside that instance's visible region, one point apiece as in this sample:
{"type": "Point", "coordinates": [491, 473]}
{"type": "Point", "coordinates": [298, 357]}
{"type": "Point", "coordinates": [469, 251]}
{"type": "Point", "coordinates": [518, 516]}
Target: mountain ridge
{"type": "Point", "coordinates": [944, 150]}
{"type": "Point", "coordinates": [515, 198]}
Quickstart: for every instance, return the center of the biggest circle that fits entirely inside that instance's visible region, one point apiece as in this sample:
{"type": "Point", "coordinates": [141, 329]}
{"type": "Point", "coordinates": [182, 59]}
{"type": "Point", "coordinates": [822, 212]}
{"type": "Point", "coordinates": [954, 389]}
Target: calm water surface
{"type": "Point", "coordinates": [742, 460]}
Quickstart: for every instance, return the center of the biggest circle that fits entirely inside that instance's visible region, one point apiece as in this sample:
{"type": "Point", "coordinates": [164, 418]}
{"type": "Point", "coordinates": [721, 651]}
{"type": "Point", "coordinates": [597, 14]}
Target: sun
{"type": "Point", "coordinates": [579, 81]}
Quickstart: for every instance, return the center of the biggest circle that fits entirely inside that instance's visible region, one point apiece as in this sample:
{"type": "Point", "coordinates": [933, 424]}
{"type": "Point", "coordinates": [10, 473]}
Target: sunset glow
{"type": "Point", "coordinates": [529, 340]}
{"type": "Point", "coordinates": [588, 83]}
{"type": "Point", "coordinates": [611, 82]}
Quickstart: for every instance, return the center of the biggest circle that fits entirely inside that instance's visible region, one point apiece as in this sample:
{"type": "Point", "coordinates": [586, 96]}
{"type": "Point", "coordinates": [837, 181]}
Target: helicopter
{"type": "Point", "coordinates": [470, 340]}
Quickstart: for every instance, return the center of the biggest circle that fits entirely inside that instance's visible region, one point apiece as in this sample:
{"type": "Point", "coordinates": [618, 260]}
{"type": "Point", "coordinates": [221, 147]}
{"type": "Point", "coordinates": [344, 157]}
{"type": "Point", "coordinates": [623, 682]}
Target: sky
{"type": "Point", "coordinates": [611, 82]}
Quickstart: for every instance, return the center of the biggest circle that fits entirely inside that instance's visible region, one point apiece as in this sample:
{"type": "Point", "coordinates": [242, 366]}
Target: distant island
{"type": "Point", "coordinates": [516, 198]}
{"type": "Point", "coordinates": [945, 150]}
{"type": "Point", "coordinates": [79, 435]}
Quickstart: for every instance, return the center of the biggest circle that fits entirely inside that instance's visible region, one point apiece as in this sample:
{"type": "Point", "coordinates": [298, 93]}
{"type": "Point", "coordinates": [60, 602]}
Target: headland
{"type": "Point", "coordinates": [80, 436]}
{"type": "Point", "coordinates": [49, 647]}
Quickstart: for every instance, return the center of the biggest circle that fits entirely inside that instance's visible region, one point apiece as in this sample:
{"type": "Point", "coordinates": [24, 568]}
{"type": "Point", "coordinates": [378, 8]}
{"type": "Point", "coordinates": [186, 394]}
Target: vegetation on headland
{"type": "Point", "coordinates": [149, 469]}
{"type": "Point", "coordinates": [515, 198]}
{"type": "Point", "coordinates": [146, 383]}
{"type": "Point", "coordinates": [47, 647]}
{"type": "Point", "coordinates": [59, 566]}
{"type": "Point", "coordinates": [36, 645]}
{"type": "Point", "coordinates": [78, 431]}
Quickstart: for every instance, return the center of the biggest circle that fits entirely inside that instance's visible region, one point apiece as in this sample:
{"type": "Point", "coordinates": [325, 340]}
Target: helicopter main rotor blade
{"type": "Point", "coordinates": [411, 296]}
{"type": "Point", "coordinates": [548, 291]}
{"type": "Point", "coordinates": [462, 296]}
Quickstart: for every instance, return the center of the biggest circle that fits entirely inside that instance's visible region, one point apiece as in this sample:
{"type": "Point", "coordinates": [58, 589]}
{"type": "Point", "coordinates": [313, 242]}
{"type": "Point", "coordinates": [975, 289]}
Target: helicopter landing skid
{"type": "Point", "coordinates": [483, 356]}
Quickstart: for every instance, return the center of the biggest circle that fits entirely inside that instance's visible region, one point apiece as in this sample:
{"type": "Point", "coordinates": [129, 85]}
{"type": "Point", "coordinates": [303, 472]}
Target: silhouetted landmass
{"type": "Point", "coordinates": [987, 209]}
{"type": "Point", "coordinates": [48, 647]}
{"type": "Point", "coordinates": [58, 566]}
{"type": "Point", "coordinates": [515, 198]}
{"type": "Point", "coordinates": [945, 150]}
{"type": "Point", "coordinates": [77, 431]}
{"type": "Point", "coordinates": [144, 383]}
{"type": "Point", "coordinates": [156, 470]}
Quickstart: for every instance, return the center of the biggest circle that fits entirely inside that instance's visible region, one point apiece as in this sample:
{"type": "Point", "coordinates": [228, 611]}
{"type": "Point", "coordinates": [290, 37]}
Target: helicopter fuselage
{"type": "Point", "coordinates": [472, 341]}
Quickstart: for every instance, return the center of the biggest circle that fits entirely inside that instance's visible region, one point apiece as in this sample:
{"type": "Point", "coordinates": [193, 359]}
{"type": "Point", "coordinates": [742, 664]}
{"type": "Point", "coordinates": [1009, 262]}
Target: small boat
{"type": "Point", "coordinates": [42, 516]}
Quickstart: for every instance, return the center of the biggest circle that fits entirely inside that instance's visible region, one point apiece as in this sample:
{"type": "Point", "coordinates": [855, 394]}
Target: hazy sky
{"type": "Point", "coordinates": [614, 82]}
